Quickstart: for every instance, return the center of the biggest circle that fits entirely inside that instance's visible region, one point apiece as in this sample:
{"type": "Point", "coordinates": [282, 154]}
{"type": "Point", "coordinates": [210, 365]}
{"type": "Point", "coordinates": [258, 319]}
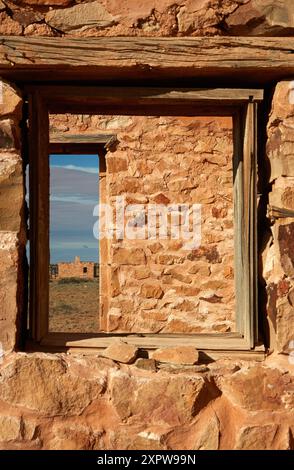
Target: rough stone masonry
{"type": "Point", "coordinates": [167, 161]}
{"type": "Point", "coordinates": [58, 401]}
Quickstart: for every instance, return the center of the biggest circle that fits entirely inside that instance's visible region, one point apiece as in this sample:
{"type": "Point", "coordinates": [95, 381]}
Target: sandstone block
{"type": "Point", "coordinates": [116, 164]}
{"type": "Point", "coordinates": [47, 385]}
{"type": "Point", "coordinates": [210, 253]}
{"type": "Point", "coordinates": [169, 259]}
{"type": "Point", "coordinates": [155, 247]}
{"type": "Point", "coordinates": [288, 198]}
{"type": "Point", "coordinates": [8, 289]}
{"type": "Point", "coordinates": [114, 282]}
{"type": "Point", "coordinates": [11, 188]}
{"type": "Point", "coordinates": [262, 18]}
{"type": "Point", "coordinates": [153, 400]}
{"type": "Point", "coordinates": [160, 198]}
{"type": "Point", "coordinates": [27, 17]}
{"type": "Point", "coordinates": [197, 17]}
{"type": "Point", "coordinates": [133, 256]}
{"type": "Point", "coordinates": [9, 135]}
{"type": "Point", "coordinates": [151, 438]}
{"type": "Point", "coordinates": [156, 315]}
{"type": "Point", "coordinates": [182, 184]}
{"type": "Point", "coordinates": [187, 290]}
{"type": "Point", "coordinates": [153, 291]}
{"type": "Point", "coordinates": [10, 100]}
{"type": "Point", "coordinates": [208, 435]}
{"type": "Point", "coordinates": [121, 351]}
{"type": "Point", "coordinates": [10, 428]}
{"type": "Point", "coordinates": [259, 388]}
{"type": "Point", "coordinates": [260, 437]}
{"type": "Point", "coordinates": [9, 27]}
{"type": "Point", "coordinates": [136, 199]}
{"type": "Point", "coordinates": [282, 108]}
{"type": "Point", "coordinates": [284, 326]}
{"type": "Point", "coordinates": [185, 355]}
{"type": "Point", "coordinates": [74, 437]}
{"type": "Point", "coordinates": [127, 185]}
{"type": "Point", "coordinates": [286, 244]}
{"type": "Point", "coordinates": [180, 276]}
{"type": "Point", "coordinates": [146, 364]}
{"type": "Point", "coordinates": [82, 16]}
{"type": "Point", "coordinates": [142, 272]}
{"type": "Point", "coordinates": [202, 196]}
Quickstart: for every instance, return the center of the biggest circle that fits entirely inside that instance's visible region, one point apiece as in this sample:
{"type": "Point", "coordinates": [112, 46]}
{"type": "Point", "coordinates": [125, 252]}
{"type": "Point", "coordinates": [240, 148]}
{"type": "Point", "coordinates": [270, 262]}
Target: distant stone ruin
{"type": "Point", "coordinates": [75, 268]}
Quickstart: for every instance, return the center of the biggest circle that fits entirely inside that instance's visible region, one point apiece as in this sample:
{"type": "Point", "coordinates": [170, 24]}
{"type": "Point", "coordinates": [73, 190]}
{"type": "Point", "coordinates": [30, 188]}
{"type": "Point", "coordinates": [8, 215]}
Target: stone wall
{"type": "Point", "coordinates": [164, 284]}
{"type": "Point", "coordinates": [80, 18]}
{"type": "Point", "coordinates": [279, 251]}
{"type": "Point", "coordinates": [77, 268]}
{"type": "Point", "coordinates": [73, 402]}
{"type": "Point", "coordinates": [12, 226]}
{"type": "Point", "coordinates": [63, 402]}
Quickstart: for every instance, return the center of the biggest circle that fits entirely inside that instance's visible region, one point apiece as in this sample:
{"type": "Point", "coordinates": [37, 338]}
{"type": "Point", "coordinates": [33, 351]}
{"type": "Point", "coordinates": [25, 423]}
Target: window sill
{"type": "Point", "coordinates": [212, 346]}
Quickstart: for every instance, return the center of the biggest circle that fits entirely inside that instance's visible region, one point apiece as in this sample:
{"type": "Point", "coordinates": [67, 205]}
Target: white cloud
{"type": "Point", "coordinates": [64, 244]}
{"type": "Point", "coordinates": [74, 199]}
{"type": "Point", "coordinates": [78, 168]}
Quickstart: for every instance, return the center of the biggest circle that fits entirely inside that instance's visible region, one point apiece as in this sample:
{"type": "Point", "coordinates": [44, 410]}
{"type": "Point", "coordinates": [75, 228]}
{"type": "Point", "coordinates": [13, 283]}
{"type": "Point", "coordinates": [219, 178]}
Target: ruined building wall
{"type": "Point", "coordinates": [278, 253]}
{"type": "Point", "coordinates": [12, 220]}
{"type": "Point", "coordinates": [70, 401]}
{"type": "Point", "coordinates": [76, 269]}
{"type": "Point", "coordinates": [84, 18]}
{"type": "Point", "coordinates": [167, 285]}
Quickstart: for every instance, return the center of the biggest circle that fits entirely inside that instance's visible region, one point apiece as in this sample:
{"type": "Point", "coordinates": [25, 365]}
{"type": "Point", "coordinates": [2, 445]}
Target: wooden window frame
{"type": "Point", "coordinates": [95, 144]}
{"type": "Point", "coordinates": [242, 105]}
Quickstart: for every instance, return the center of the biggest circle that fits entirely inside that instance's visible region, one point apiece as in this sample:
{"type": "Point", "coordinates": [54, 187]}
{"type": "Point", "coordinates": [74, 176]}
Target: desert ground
{"type": "Point", "coordinates": [74, 305]}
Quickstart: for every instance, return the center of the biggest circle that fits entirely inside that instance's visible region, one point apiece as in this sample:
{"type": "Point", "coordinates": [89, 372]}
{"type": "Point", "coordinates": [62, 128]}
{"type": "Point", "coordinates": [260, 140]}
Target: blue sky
{"type": "Point", "coordinates": [73, 195]}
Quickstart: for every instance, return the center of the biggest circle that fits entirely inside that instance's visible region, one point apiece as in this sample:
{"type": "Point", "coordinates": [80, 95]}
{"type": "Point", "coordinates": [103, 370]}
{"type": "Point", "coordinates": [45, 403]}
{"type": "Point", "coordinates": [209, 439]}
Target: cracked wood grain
{"type": "Point", "coordinates": [148, 55]}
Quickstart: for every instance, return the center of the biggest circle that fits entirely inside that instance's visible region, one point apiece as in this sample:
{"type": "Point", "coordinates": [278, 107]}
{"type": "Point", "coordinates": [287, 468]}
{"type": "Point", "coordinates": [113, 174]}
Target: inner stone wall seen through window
{"type": "Point", "coordinates": [161, 285]}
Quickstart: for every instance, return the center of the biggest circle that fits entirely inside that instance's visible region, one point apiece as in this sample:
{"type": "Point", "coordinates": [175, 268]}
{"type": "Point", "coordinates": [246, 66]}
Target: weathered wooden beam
{"type": "Point", "coordinates": [205, 355]}
{"type": "Point", "coordinates": [214, 341]}
{"type": "Point", "coordinates": [39, 216]}
{"type": "Point", "coordinates": [145, 100]}
{"type": "Point", "coordinates": [67, 143]}
{"type": "Point", "coordinates": [67, 138]}
{"type": "Point", "coordinates": [152, 96]}
{"type": "Point", "coordinates": [129, 57]}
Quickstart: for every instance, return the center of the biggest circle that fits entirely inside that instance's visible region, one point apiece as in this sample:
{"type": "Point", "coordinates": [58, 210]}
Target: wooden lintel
{"type": "Point", "coordinates": [107, 58]}
{"type": "Point", "coordinates": [145, 100]}
{"type": "Point", "coordinates": [67, 138]}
